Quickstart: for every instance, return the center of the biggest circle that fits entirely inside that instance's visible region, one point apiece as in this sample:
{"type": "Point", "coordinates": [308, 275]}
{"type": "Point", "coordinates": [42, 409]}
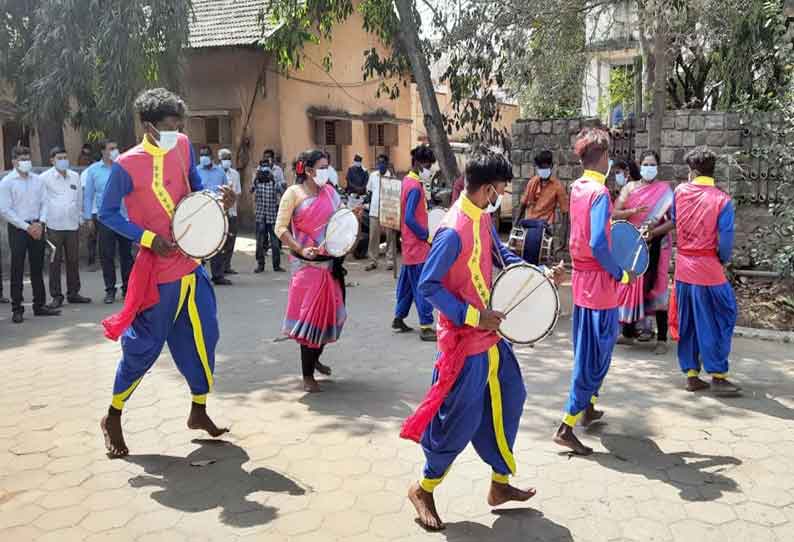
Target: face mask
{"type": "Point", "coordinates": [114, 154]}
{"type": "Point", "coordinates": [62, 165]}
{"type": "Point", "coordinates": [620, 179]}
{"type": "Point", "coordinates": [425, 174]}
{"type": "Point", "coordinates": [321, 177]}
{"type": "Point", "coordinates": [205, 161]}
{"type": "Point", "coordinates": [357, 164]}
{"type": "Point", "coordinates": [492, 207]}
{"type": "Point", "coordinates": [649, 172]}
{"type": "Point", "coordinates": [382, 168]}
{"type": "Point", "coordinates": [24, 166]}
{"type": "Point", "coordinates": [166, 139]}
{"type": "Point", "coordinates": [544, 173]}
{"type": "Point", "coordinates": [226, 164]}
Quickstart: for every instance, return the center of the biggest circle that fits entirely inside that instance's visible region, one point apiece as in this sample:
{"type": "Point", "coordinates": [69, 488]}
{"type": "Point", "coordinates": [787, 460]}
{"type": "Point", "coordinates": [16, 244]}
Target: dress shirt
{"type": "Point", "coordinates": [373, 187]}
{"type": "Point", "coordinates": [96, 180]}
{"type": "Point", "coordinates": [233, 180]}
{"type": "Point", "coordinates": [64, 199]}
{"type": "Point", "coordinates": [22, 199]}
{"type": "Point", "coordinates": [212, 177]}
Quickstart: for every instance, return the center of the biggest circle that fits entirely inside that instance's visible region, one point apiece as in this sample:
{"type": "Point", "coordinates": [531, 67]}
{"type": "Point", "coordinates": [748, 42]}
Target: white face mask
{"type": "Point", "coordinates": [493, 207]}
{"type": "Point", "coordinates": [620, 179]}
{"type": "Point", "coordinates": [544, 173]}
{"type": "Point", "coordinates": [425, 174]}
{"type": "Point", "coordinates": [649, 172]}
{"type": "Point", "coordinates": [205, 161]}
{"type": "Point", "coordinates": [114, 154]}
{"type": "Point", "coordinates": [321, 177]}
{"type": "Point", "coordinates": [167, 139]}
{"type": "Point", "coordinates": [24, 166]}
{"type": "Point", "coordinates": [227, 164]}
{"type": "Point", "coordinates": [62, 165]}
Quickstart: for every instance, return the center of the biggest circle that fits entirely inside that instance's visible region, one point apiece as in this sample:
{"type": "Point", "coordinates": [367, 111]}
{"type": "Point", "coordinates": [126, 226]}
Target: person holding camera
{"type": "Point", "coordinates": [268, 186]}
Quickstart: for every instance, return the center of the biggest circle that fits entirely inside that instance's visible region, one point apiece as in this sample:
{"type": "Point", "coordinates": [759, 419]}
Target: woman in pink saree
{"type": "Point", "coordinates": [316, 301]}
{"type": "Point", "coordinates": [646, 204]}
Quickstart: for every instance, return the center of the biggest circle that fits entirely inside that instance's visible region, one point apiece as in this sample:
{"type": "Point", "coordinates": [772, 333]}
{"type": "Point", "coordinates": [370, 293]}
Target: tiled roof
{"type": "Point", "coordinates": [220, 23]}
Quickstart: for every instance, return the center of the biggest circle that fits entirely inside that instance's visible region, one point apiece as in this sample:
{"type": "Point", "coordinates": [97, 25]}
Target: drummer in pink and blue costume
{"type": "Point", "coordinates": [704, 221]}
{"type": "Point", "coordinates": [478, 392]}
{"type": "Point", "coordinates": [595, 278]}
{"type": "Point", "coordinates": [415, 245]}
{"type": "Point", "coordinates": [169, 298]}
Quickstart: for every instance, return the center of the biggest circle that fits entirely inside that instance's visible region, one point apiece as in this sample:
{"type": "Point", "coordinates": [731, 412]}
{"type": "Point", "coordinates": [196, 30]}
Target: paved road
{"type": "Point", "coordinates": [669, 465]}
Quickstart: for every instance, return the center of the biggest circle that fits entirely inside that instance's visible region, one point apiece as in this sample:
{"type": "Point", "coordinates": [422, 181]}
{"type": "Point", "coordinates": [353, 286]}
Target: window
{"type": "Point", "coordinates": [212, 129]}
{"type": "Point", "coordinates": [330, 133]}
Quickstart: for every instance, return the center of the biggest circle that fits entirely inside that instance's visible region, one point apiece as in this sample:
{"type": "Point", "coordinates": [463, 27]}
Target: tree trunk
{"type": "Point", "coordinates": [50, 132]}
{"type": "Point", "coordinates": [434, 122]}
{"type": "Point", "coordinates": [659, 88]}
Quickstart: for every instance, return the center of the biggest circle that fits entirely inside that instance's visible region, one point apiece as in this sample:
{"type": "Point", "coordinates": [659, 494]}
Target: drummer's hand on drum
{"type": "Point", "coordinates": [229, 197]}
{"type": "Point", "coordinates": [558, 273]}
{"type": "Point", "coordinates": [358, 211]}
{"type": "Point", "coordinates": [490, 320]}
{"type": "Point", "coordinates": [162, 246]}
{"type": "Point", "coordinates": [310, 253]}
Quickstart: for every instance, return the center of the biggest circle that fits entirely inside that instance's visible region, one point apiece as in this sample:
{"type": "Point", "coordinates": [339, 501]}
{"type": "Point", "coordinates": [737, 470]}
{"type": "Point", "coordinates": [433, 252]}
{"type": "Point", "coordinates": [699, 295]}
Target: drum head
{"type": "Point", "coordinates": [199, 225]}
{"type": "Point", "coordinates": [434, 218]}
{"type": "Point", "coordinates": [341, 233]}
{"type": "Point", "coordinates": [534, 301]}
{"type": "Point", "coordinates": [628, 247]}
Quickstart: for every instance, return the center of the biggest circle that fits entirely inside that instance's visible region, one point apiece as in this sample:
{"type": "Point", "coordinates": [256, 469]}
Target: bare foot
{"type": "Point", "coordinates": [199, 419]}
{"type": "Point", "coordinates": [724, 386]}
{"type": "Point", "coordinates": [310, 385]}
{"type": "Point", "coordinates": [114, 437]}
{"type": "Point", "coordinates": [425, 507]}
{"type": "Point", "coordinates": [502, 493]}
{"type": "Point", "coordinates": [322, 368]}
{"type": "Point", "coordinates": [591, 415]}
{"type": "Point", "coordinates": [693, 383]}
{"type": "Point", "coordinates": [567, 439]}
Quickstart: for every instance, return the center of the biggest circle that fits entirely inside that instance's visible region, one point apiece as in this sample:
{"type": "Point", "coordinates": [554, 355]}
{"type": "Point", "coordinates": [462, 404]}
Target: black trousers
{"type": "Point", "coordinates": [93, 242]}
{"type": "Point", "coordinates": [23, 245]}
{"type": "Point", "coordinates": [1, 271]}
{"type": "Point", "coordinates": [309, 358]}
{"type": "Point", "coordinates": [109, 242]}
{"type": "Point", "coordinates": [630, 330]}
{"type": "Point", "coordinates": [67, 247]}
{"type": "Point", "coordinates": [231, 240]}
{"type": "Point", "coordinates": [266, 237]}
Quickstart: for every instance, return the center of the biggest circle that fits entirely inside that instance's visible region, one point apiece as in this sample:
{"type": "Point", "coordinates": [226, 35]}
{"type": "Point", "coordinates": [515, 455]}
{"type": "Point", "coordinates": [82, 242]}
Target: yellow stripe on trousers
{"type": "Point", "coordinates": [496, 409]}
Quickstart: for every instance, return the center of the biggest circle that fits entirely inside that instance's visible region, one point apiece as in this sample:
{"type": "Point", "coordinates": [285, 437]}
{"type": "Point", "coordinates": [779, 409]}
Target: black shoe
{"type": "Point", "coordinates": [17, 318]}
{"type": "Point", "coordinates": [279, 270]}
{"type": "Point", "coordinates": [428, 334]}
{"type": "Point", "coordinates": [46, 311]}
{"type": "Point", "coordinates": [222, 282]}
{"type": "Point", "coordinates": [78, 299]}
{"type": "Point", "coordinates": [4, 300]}
{"type": "Point", "coordinates": [57, 302]}
{"type": "Point", "coordinates": [399, 326]}
{"type": "Point", "coordinates": [259, 269]}
{"type": "Point", "coordinates": [230, 272]}
{"type": "Point", "coordinates": [110, 298]}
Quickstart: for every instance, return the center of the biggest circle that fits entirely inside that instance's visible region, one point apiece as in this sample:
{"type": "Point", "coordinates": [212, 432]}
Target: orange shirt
{"type": "Point", "coordinates": [541, 199]}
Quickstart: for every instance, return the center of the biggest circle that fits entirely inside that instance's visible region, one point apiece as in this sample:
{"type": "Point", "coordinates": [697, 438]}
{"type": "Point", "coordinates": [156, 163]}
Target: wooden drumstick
{"type": "Point", "coordinates": [194, 213]}
{"type": "Point", "coordinates": [519, 292]}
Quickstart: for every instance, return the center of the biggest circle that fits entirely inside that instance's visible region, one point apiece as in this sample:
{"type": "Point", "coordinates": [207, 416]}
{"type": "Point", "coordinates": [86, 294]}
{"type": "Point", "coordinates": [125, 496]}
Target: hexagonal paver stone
{"type": "Point", "coordinates": [105, 520]}
{"type": "Point", "coordinates": [61, 518]}
{"type": "Point", "coordinates": [690, 530]}
{"type": "Point", "coordinates": [760, 513]}
{"type": "Point", "coordinates": [306, 521]}
{"type": "Point", "coordinates": [710, 512]}
{"type": "Point", "coordinates": [345, 524]}
{"type": "Point", "coordinates": [645, 530]}
{"type": "Point", "coordinates": [746, 532]}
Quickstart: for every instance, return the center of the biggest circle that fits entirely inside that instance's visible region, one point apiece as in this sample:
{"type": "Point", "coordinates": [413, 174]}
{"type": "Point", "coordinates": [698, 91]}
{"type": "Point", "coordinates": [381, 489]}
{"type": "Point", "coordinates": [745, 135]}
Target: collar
{"type": "Point", "coordinates": [703, 181]}
{"type": "Point", "coordinates": [154, 150]}
{"type": "Point", "coordinates": [469, 209]}
{"type": "Point", "coordinates": [415, 176]}
{"type": "Point", "coordinates": [591, 175]}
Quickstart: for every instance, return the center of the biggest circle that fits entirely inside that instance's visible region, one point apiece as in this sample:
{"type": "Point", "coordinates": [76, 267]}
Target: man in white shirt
{"type": "Point", "coordinates": [233, 180]}
{"type": "Point", "coordinates": [22, 205]}
{"type": "Point", "coordinates": [373, 189]}
{"type": "Point", "coordinates": [64, 201]}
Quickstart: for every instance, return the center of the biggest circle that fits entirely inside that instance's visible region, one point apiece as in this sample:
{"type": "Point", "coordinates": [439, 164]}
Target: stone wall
{"type": "Point", "coordinates": [745, 169]}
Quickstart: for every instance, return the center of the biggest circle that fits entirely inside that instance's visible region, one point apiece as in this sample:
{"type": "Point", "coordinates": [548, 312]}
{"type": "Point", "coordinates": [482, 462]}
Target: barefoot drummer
{"type": "Point", "coordinates": [170, 297]}
{"type": "Point", "coordinates": [478, 392]}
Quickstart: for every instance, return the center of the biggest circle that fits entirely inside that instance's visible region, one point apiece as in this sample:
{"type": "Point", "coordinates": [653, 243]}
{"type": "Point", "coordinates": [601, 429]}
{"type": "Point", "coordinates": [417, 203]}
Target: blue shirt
{"type": "Point", "coordinates": [599, 214]}
{"type": "Point", "coordinates": [212, 177]}
{"type": "Point", "coordinates": [445, 250]}
{"type": "Point", "coordinates": [96, 179]}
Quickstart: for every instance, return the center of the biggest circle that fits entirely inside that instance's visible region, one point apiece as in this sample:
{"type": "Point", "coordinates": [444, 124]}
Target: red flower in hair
{"type": "Point", "coordinates": [300, 167]}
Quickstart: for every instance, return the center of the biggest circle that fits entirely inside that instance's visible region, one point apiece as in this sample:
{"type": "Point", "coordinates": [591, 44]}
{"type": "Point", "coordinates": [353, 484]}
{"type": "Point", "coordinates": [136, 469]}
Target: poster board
{"type": "Point", "coordinates": [390, 203]}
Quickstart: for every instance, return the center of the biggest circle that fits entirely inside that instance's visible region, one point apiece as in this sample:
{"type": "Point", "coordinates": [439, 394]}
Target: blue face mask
{"type": "Point", "coordinates": [544, 173]}
{"type": "Point", "coordinates": [620, 179]}
{"type": "Point", "coordinates": [649, 172]}
{"type": "Point", "coordinates": [205, 161]}
{"type": "Point", "coordinates": [382, 168]}
{"type": "Point", "coordinates": [62, 165]}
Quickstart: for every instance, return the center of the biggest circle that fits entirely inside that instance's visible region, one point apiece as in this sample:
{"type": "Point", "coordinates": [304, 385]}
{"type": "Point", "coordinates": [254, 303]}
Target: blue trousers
{"type": "Point", "coordinates": [594, 336]}
{"type": "Point", "coordinates": [408, 293]}
{"type": "Point", "coordinates": [484, 408]}
{"type": "Point", "coordinates": [706, 318]}
{"type": "Point", "coordinates": [186, 318]}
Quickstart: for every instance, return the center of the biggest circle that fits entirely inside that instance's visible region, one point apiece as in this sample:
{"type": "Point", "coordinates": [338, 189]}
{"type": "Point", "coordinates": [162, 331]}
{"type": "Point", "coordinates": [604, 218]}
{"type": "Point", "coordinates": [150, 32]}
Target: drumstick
{"type": "Point", "coordinates": [519, 292]}
{"type": "Point", "coordinates": [636, 255]}
{"type": "Point", "coordinates": [341, 211]}
{"type": "Point", "coordinates": [508, 311]}
{"type": "Point", "coordinates": [194, 213]}
{"type": "Point", "coordinates": [183, 233]}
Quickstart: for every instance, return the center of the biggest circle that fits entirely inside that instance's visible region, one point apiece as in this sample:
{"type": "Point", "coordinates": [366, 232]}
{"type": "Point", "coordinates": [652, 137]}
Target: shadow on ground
{"type": "Point", "coordinates": [519, 524]}
{"type": "Point", "coordinates": [212, 477]}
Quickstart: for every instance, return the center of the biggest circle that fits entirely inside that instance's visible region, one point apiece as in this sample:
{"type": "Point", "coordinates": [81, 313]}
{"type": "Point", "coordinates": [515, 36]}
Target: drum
{"type": "Point", "coordinates": [628, 247]}
{"type": "Point", "coordinates": [532, 241]}
{"type": "Point", "coordinates": [200, 225]}
{"type": "Point", "coordinates": [434, 218]}
{"type": "Point", "coordinates": [529, 301]}
{"type": "Point", "coordinates": [341, 233]}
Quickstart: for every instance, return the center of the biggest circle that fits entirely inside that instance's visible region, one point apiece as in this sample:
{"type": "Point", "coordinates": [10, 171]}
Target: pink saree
{"type": "Point", "coordinates": [636, 300]}
{"type": "Point", "coordinates": [315, 307]}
